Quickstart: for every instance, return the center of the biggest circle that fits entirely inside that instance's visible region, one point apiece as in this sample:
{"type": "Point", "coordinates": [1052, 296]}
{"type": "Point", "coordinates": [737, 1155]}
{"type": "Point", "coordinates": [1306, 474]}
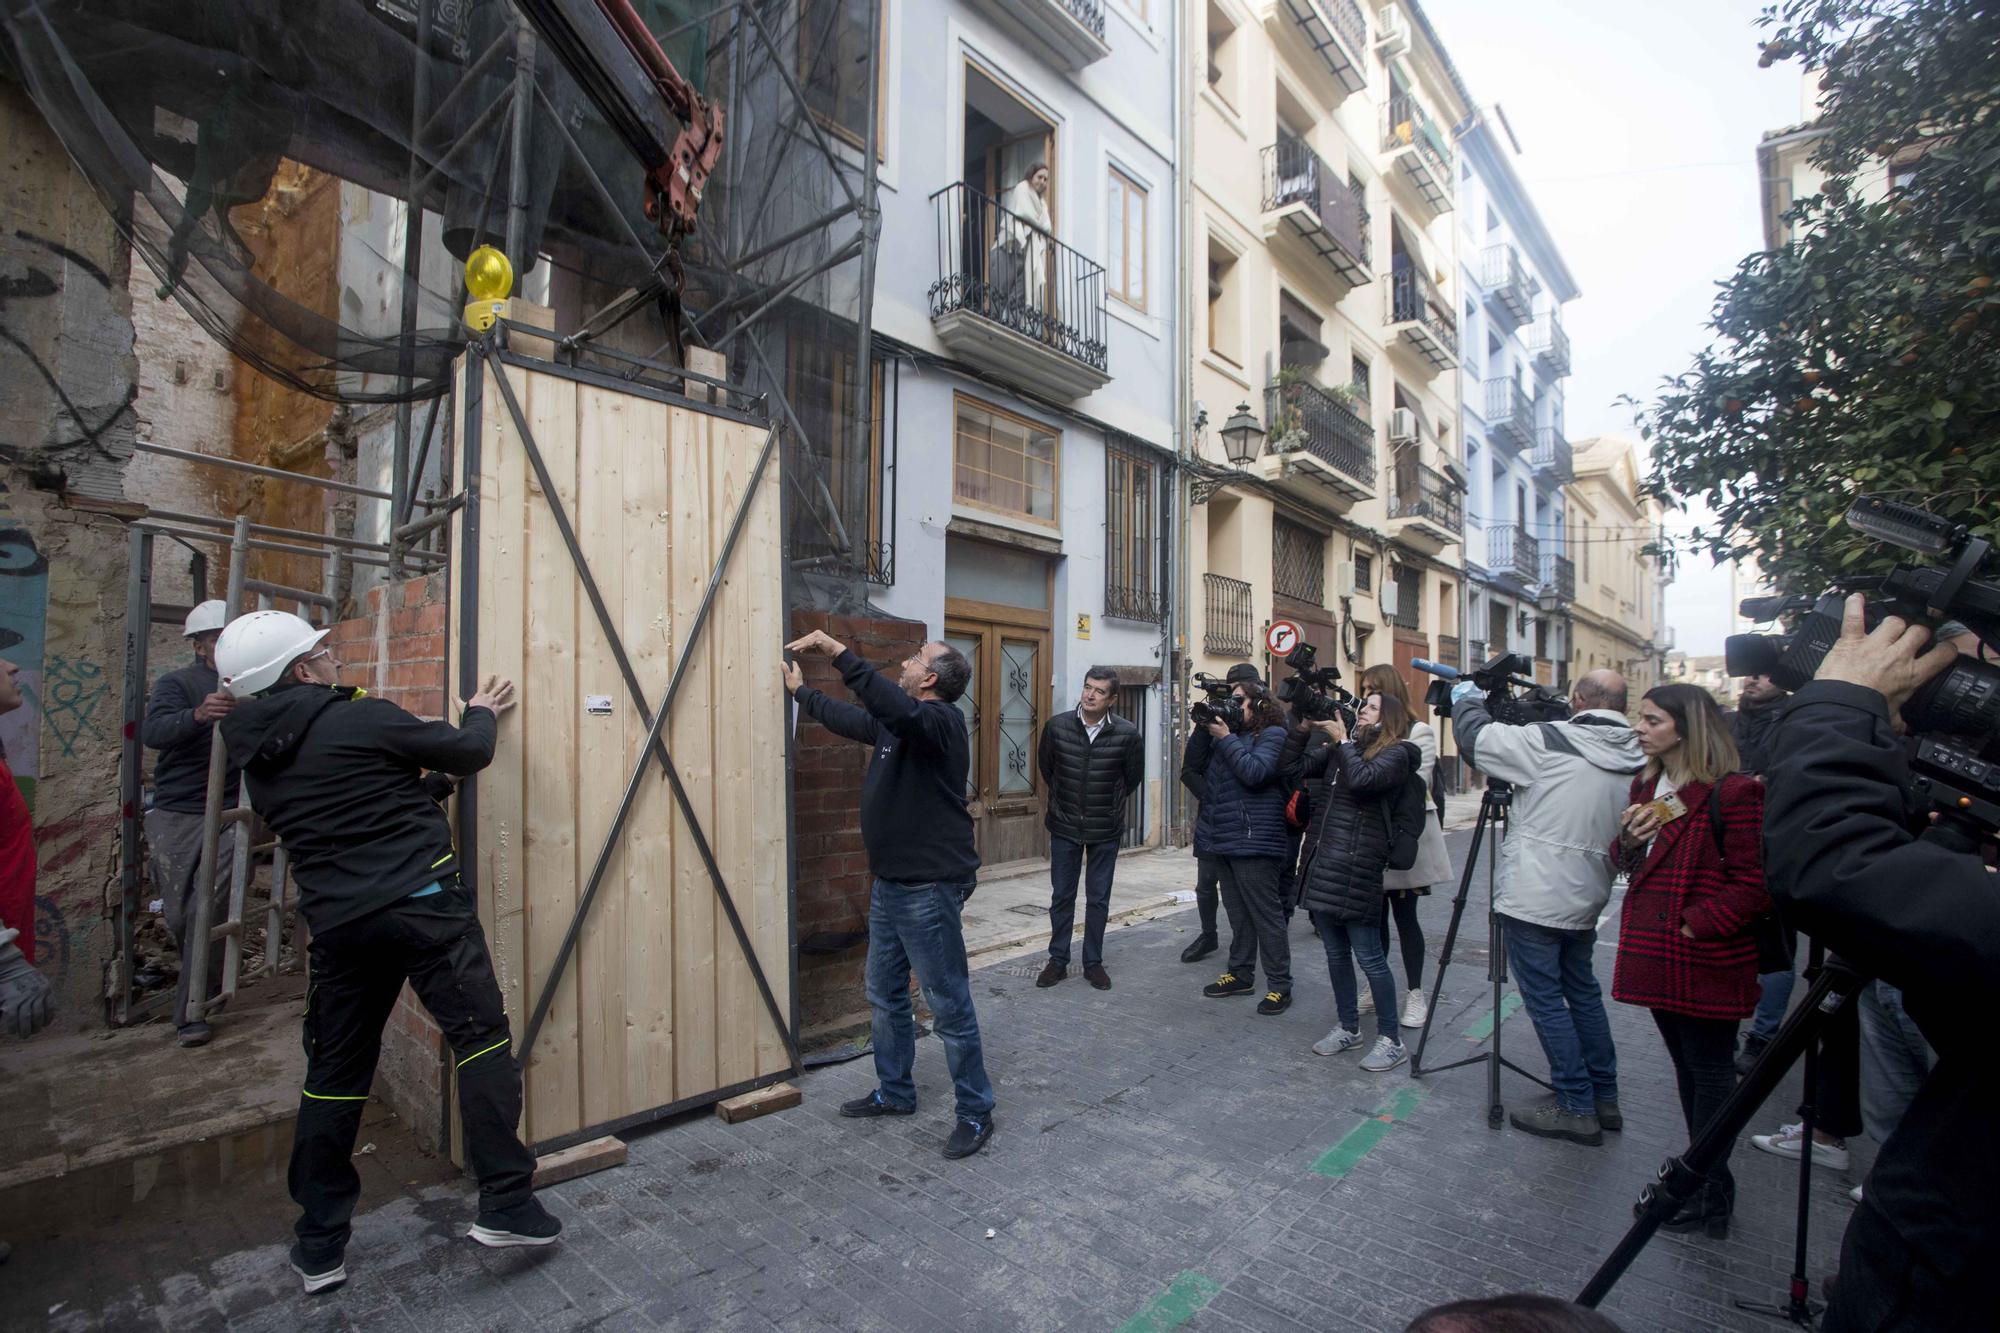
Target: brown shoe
{"type": "Point", "coordinates": [1052, 972]}
{"type": "Point", "coordinates": [1097, 976]}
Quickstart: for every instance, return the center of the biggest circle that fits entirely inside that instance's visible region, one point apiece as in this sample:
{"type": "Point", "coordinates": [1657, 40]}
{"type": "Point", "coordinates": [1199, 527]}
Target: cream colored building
{"type": "Point", "coordinates": [1322, 258]}
{"type": "Point", "coordinates": [1620, 587]}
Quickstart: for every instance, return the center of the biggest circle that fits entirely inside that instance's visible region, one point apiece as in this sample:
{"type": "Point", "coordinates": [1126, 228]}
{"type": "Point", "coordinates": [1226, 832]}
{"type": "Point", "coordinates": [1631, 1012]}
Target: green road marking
{"type": "Point", "coordinates": [1174, 1306]}
{"type": "Point", "coordinates": [1356, 1144]}
{"type": "Point", "coordinates": [1483, 1027]}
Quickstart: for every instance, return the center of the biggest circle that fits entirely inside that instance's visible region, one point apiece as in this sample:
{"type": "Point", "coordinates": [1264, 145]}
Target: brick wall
{"type": "Point", "coordinates": [396, 652]}
{"type": "Point", "coordinates": [826, 823]}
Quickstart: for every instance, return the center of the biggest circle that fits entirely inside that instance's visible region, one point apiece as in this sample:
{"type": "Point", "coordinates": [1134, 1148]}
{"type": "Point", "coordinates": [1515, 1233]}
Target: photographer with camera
{"type": "Point", "coordinates": [1572, 779]}
{"type": "Point", "coordinates": [1402, 888]}
{"type": "Point", "coordinates": [1242, 822]}
{"type": "Point", "coordinates": [1844, 866]}
{"type": "Point", "coordinates": [1194, 776]}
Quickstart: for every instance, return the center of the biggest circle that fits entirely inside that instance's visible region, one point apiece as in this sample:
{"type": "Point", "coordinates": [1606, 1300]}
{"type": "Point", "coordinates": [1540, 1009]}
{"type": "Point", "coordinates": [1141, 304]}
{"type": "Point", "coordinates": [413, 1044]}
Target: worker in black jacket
{"type": "Point", "coordinates": [1842, 863]}
{"type": "Point", "coordinates": [1091, 761]}
{"type": "Point", "coordinates": [1208, 869]}
{"type": "Point", "coordinates": [920, 850]}
{"type": "Point", "coordinates": [340, 777]}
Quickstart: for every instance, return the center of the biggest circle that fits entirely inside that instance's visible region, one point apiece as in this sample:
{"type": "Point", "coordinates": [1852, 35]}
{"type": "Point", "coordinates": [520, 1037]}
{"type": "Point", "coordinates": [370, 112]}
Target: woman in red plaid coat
{"type": "Point", "coordinates": [1689, 843]}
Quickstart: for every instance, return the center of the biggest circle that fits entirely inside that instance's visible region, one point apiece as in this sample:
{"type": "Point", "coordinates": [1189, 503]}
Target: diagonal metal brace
{"type": "Point", "coordinates": [654, 744]}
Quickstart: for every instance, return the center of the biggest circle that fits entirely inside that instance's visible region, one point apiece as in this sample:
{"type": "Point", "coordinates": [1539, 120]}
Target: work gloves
{"type": "Point", "coordinates": [27, 1002]}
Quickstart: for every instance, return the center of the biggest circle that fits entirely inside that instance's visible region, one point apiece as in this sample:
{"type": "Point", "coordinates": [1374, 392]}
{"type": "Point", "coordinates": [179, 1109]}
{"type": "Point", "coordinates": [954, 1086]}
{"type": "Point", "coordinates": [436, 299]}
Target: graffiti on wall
{"type": "Point", "coordinates": [24, 611]}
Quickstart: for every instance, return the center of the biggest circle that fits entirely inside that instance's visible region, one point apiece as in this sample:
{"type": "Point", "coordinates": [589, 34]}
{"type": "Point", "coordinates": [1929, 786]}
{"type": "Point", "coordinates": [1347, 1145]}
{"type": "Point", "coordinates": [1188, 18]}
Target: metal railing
{"type": "Point", "coordinates": [1305, 416]}
{"type": "Point", "coordinates": [1423, 492]}
{"type": "Point", "coordinates": [1549, 340]}
{"type": "Point", "coordinates": [1501, 274]}
{"type": "Point", "coordinates": [1295, 174]}
{"type": "Point", "coordinates": [1559, 575]}
{"type": "Point", "coordinates": [1090, 13]}
{"type": "Point", "coordinates": [1510, 550]}
{"type": "Point", "coordinates": [1405, 124]}
{"type": "Point", "coordinates": [1414, 299]}
{"type": "Point", "coordinates": [1553, 455]}
{"type": "Point", "coordinates": [1509, 412]}
{"type": "Point", "coordinates": [1134, 604]}
{"type": "Point", "coordinates": [1228, 615]}
{"type": "Point", "coordinates": [997, 264]}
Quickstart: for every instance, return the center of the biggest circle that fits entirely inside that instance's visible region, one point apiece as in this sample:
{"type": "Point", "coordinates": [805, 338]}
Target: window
{"type": "Point", "coordinates": [1364, 572]}
{"type": "Point", "coordinates": [1409, 597]}
{"type": "Point", "coordinates": [1224, 333]}
{"type": "Point", "coordinates": [820, 382]}
{"type": "Point", "coordinates": [1131, 560]}
{"type": "Point", "coordinates": [1125, 267]}
{"type": "Point", "coordinates": [833, 67]}
{"type": "Point", "coordinates": [1223, 55]}
{"type": "Point", "coordinates": [1360, 379]}
{"type": "Point", "coordinates": [1005, 462]}
{"type": "Point", "coordinates": [1298, 562]}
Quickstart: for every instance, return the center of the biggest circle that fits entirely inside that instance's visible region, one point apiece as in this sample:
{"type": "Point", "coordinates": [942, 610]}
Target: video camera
{"type": "Point", "coordinates": [1314, 692]}
{"type": "Point", "coordinates": [1220, 705]}
{"type": "Point", "coordinates": [1954, 719]}
{"type": "Point", "coordinates": [1497, 679]}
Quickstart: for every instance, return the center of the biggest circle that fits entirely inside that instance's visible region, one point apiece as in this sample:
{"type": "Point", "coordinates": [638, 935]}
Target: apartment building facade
{"type": "Point", "coordinates": [1024, 315]}
{"type": "Point", "coordinates": [1516, 355]}
{"type": "Point", "coordinates": [1323, 312]}
{"type": "Point", "coordinates": [1614, 528]}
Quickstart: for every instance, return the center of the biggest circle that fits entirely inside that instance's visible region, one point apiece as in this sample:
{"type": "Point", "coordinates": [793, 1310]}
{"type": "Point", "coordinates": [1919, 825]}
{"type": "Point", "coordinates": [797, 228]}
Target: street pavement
{"type": "Point", "coordinates": [1161, 1161]}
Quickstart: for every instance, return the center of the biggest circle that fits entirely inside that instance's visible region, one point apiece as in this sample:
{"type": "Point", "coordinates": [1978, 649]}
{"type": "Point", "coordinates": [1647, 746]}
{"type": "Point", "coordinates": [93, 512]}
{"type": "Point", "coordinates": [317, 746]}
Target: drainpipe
{"type": "Point", "coordinates": [1458, 378]}
{"type": "Point", "coordinates": [1181, 379]}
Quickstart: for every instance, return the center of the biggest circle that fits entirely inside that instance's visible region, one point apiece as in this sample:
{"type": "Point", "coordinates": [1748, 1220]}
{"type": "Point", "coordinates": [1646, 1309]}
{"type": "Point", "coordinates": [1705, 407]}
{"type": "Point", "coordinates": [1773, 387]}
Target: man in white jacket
{"type": "Point", "coordinates": [1571, 780]}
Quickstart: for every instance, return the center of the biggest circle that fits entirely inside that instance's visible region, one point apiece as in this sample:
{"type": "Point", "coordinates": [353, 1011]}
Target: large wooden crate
{"type": "Point", "coordinates": [657, 1009]}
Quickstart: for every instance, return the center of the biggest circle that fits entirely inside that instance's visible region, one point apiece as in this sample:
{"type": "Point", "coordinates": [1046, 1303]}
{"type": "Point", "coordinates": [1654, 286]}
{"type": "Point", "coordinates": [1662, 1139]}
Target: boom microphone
{"type": "Point", "coordinates": [1438, 669]}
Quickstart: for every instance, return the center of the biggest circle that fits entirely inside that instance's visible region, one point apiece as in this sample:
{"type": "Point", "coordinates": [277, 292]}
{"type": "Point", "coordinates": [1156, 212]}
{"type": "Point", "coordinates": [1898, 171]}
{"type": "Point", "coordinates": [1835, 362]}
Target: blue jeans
{"type": "Point", "coordinates": [1558, 988]}
{"type": "Point", "coordinates": [915, 927]}
{"type": "Point", "coordinates": [1895, 1059]}
{"type": "Point", "coordinates": [1066, 859]}
{"type": "Point", "coordinates": [1772, 1004]}
{"type": "Point", "coordinates": [1358, 943]}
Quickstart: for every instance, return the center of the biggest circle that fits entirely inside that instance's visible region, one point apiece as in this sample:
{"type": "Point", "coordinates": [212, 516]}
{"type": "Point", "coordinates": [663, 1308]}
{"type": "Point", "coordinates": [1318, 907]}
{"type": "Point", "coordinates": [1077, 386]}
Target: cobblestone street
{"type": "Point", "coordinates": [1160, 1161]}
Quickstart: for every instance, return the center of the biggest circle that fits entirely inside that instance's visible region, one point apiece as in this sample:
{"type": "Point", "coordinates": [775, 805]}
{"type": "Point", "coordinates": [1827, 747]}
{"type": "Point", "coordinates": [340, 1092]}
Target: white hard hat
{"type": "Point", "coordinates": [210, 616]}
{"type": "Point", "coordinates": [255, 650]}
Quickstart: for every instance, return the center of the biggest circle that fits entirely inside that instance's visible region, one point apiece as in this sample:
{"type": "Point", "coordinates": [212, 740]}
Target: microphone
{"type": "Point", "coordinates": [1438, 669]}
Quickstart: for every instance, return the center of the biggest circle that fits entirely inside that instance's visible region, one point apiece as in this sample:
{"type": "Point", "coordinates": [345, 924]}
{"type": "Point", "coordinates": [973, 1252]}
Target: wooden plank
{"type": "Point", "coordinates": [770, 879]}
{"type": "Point", "coordinates": [581, 1160]}
{"type": "Point", "coordinates": [712, 364]}
{"type": "Point", "coordinates": [739, 1014]}
{"type": "Point", "coordinates": [749, 1106]}
{"type": "Point", "coordinates": [690, 725]}
{"type": "Point", "coordinates": [556, 617]}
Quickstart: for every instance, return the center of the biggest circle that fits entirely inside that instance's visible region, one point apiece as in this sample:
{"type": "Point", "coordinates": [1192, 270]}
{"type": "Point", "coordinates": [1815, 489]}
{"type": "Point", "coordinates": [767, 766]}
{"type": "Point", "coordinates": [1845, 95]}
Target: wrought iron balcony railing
{"type": "Point", "coordinates": [1407, 126]}
{"type": "Point", "coordinates": [1305, 416]}
{"type": "Point", "coordinates": [1506, 280]}
{"type": "Point", "coordinates": [1553, 457]}
{"type": "Point", "coordinates": [1558, 576]}
{"type": "Point", "coordinates": [1510, 550]}
{"type": "Point", "coordinates": [1549, 341]}
{"type": "Point", "coordinates": [1295, 174]}
{"type": "Point", "coordinates": [999, 265]}
{"type": "Point", "coordinates": [1417, 310]}
{"type": "Point", "coordinates": [1338, 32]}
{"type": "Point", "coordinates": [1510, 415]}
{"type": "Point", "coordinates": [1134, 604]}
{"type": "Point", "coordinates": [1426, 493]}
{"type": "Point", "coordinates": [1228, 616]}
{"type": "Point", "coordinates": [1090, 13]}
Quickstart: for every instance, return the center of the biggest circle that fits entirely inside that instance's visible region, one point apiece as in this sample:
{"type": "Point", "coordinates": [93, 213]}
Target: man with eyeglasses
{"type": "Point", "coordinates": [340, 776]}
{"type": "Point", "coordinates": [920, 850]}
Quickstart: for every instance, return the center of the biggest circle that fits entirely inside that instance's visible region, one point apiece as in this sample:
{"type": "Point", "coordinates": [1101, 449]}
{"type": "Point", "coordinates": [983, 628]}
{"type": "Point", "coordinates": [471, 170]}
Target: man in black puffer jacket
{"type": "Point", "coordinates": [1091, 761]}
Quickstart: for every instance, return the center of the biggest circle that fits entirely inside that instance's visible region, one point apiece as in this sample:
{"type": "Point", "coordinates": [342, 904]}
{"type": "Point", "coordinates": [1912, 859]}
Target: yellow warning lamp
{"type": "Point", "coordinates": [489, 280]}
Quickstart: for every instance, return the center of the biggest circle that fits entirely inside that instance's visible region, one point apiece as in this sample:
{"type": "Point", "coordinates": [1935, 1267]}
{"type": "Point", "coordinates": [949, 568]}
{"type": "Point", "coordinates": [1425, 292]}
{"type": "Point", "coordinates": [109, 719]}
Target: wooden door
{"type": "Point", "coordinates": [1410, 645]}
{"type": "Point", "coordinates": [1004, 709]}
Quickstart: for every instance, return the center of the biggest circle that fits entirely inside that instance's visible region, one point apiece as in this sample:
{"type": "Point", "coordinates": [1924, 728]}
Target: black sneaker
{"type": "Point", "coordinates": [194, 1034]}
{"type": "Point", "coordinates": [863, 1108]}
{"type": "Point", "coordinates": [968, 1136]}
{"type": "Point", "coordinates": [1229, 984]}
{"type": "Point", "coordinates": [1753, 1046]}
{"type": "Point", "coordinates": [526, 1223]}
{"type": "Point", "coordinates": [1275, 1002]}
{"type": "Point", "coordinates": [1198, 948]}
{"type": "Point", "coordinates": [318, 1274]}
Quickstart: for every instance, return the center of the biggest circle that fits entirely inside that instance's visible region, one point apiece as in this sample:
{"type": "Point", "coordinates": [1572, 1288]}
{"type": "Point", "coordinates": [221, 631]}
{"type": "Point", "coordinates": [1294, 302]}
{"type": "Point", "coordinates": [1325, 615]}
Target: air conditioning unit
{"type": "Point", "coordinates": [1388, 599]}
{"type": "Point", "coordinates": [1403, 426]}
{"type": "Point", "coordinates": [1394, 39]}
{"type": "Point", "coordinates": [1343, 580]}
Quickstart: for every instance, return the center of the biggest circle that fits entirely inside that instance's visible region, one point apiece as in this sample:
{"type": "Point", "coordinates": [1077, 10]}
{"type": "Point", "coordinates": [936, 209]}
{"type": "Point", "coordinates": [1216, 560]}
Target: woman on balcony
{"type": "Point", "coordinates": [1027, 229]}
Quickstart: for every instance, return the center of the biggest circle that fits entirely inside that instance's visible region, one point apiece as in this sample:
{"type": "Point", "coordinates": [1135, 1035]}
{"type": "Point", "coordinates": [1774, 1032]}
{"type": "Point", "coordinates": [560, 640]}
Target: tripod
{"type": "Point", "coordinates": [1798, 1309]}
{"type": "Point", "coordinates": [1681, 1176]}
{"type": "Point", "coordinates": [1493, 807]}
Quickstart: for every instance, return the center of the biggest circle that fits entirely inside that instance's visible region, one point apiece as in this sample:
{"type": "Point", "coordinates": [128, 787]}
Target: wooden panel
{"type": "Point", "coordinates": [689, 729]}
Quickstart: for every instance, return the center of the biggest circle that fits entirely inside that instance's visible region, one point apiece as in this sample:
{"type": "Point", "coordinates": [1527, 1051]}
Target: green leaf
{"type": "Point", "coordinates": [1941, 409]}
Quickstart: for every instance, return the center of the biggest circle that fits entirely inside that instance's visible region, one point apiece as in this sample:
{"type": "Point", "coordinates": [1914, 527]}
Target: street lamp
{"type": "Point", "coordinates": [1242, 437]}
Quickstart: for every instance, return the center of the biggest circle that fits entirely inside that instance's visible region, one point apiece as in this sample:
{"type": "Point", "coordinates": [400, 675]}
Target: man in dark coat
{"type": "Point", "coordinates": [1091, 760]}
{"type": "Point", "coordinates": [1759, 701]}
{"type": "Point", "coordinates": [1208, 869]}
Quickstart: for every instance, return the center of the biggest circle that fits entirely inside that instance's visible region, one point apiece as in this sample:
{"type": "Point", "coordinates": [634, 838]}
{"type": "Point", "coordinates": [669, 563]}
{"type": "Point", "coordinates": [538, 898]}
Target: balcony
{"type": "Point", "coordinates": [1506, 283]}
{"type": "Point", "coordinates": [1512, 553]}
{"type": "Point", "coordinates": [1421, 319]}
{"type": "Point", "coordinates": [1510, 416]}
{"type": "Point", "coordinates": [1549, 341]}
{"type": "Point", "coordinates": [1424, 507]}
{"type": "Point", "coordinates": [1412, 140]}
{"type": "Point", "coordinates": [1318, 444]}
{"type": "Point", "coordinates": [1475, 654]}
{"type": "Point", "coordinates": [1315, 210]}
{"type": "Point", "coordinates": [1226, 623]}
{"type": "Point", "coordinates": [1558, 580]}
{"type": "Point", "coordinates": [1552, 458]}
{"type": "Point", "coordinates": [1334, 31]}
{"type": "Point", "coordinates": [1069, 33]}
{"type": "Point", "coordinates": [1012, 299]}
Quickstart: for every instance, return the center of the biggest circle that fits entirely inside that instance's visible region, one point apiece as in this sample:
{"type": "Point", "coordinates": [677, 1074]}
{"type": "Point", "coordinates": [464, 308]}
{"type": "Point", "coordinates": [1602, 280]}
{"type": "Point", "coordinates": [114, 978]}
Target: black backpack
{"type": "Point", "coordinates": [1403, 813]}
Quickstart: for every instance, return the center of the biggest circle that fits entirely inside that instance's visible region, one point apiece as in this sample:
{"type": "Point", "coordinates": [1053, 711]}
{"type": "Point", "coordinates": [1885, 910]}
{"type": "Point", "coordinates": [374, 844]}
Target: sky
{"type": "Point", "coordinates": [1638, 126]}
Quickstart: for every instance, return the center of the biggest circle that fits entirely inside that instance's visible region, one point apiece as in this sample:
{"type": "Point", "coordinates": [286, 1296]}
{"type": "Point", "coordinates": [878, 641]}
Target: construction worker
{"type": "Point", "coordinates": [338, 775]}
{"type": "Point", "coordinates": [181, 714]}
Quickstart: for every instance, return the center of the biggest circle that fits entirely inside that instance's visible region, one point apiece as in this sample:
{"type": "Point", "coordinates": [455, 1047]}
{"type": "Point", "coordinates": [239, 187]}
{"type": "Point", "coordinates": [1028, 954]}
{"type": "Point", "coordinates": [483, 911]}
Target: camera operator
{"type": "Point", "coordinates": [1243, 822]}
{"type": "Point", "coordinates": [1842, 863]}
{"type": "Point", "coordinates": [1554, 877]}
{"type": "Point", "coordinates": [1208, 868]}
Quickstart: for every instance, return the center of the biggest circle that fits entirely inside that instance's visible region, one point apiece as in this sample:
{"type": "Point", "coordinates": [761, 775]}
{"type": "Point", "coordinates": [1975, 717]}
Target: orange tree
{"type": "Point", "coordinates": [1864, 356]}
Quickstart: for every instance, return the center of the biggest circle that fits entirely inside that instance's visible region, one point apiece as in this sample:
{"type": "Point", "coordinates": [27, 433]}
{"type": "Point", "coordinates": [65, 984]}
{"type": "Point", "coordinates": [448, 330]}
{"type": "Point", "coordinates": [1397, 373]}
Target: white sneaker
{"type": "Point", "coordinates": [1785, 1143]}
{"type": "Point", "coordinates": [1855, 1194]}
{"type": "Point", "coordinates": [1388, 1053]}
{"type": "Point", "coordinates": [1367, 997]}
{"type": "Point", "coordinates": [1337, 1042]}
{"type": "Point", "coordinates": [1414, 1007]}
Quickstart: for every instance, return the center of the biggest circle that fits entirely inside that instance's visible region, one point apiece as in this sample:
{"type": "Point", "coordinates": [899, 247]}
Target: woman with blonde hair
{"type": "Point", "coordinates": [1690, 845]}
{"type": "Point", "coordinates": [1402, 888]}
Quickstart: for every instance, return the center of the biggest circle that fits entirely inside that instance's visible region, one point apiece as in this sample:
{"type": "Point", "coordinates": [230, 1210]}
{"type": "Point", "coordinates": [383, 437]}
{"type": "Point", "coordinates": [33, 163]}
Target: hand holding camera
{"type": "Point", "coordinates": [1333, 727]}
{"type": "Point", "coordinates": [1889, 659]}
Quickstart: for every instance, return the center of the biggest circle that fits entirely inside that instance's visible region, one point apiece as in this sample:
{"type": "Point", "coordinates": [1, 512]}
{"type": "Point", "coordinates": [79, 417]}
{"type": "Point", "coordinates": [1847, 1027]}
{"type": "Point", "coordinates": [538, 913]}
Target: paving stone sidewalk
{"type": "Point", "coordinates": [1161, 1161]}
